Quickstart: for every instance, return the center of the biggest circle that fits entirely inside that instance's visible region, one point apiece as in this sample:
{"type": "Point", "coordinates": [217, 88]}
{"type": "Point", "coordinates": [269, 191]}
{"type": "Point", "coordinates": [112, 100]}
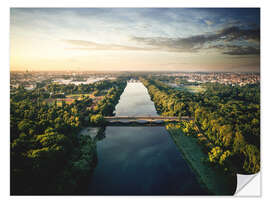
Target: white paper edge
{"type": "Point", "coordinates": [248, 185]}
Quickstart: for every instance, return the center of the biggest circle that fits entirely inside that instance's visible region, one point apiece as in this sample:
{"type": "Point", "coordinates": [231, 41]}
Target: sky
{"type": "Point", "coordinates": [135, 39]}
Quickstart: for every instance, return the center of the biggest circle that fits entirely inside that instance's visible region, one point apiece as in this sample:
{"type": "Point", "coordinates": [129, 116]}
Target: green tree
{"type": "Point", "coordinates": [97, 119]}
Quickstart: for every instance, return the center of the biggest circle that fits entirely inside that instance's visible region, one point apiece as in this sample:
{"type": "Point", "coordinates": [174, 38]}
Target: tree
{"type": "Point", "coordinates": [97, 119]}
{"type": "Point", "coordinates": [215, 154]}
{"type": "Point", "coordinates": [252, 158]}
{"type": "Point", "coordinates": [239, 142]}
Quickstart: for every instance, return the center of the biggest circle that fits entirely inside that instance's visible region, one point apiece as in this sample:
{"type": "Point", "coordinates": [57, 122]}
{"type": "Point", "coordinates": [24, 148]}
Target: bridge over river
{"type": "Point", "coordinates": [143, 120]}
{"type": "Point", "coordinates": [137, 156]}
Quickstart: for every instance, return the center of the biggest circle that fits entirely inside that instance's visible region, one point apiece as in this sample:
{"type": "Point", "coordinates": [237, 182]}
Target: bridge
{"type": "Point", "coordinates": [142, 120]}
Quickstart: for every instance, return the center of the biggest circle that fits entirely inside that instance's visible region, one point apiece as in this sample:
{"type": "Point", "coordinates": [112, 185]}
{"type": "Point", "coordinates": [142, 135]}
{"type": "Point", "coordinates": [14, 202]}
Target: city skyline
{"type": "Point", "coordinates": [135, 39]}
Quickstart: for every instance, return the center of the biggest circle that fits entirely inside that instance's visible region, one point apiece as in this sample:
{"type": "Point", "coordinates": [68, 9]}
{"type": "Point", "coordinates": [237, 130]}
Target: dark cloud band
{"type": "Point", "coordinates": [227, 40]}
{"type": "Point", "coordinates": [199, 42]}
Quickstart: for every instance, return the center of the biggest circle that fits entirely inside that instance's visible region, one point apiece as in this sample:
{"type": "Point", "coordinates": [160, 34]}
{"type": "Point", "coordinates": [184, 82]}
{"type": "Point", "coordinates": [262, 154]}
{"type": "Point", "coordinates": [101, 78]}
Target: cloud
{"type": "Point", "coordinates": [243, 51]}
{"type": "Point", "coordinates": [226, 39]}
{"type": "Point", "coordinates": [237, 49]}
{"type": "Point", "coordinates": [208, 22]}
{"type": "Point", "coordinates": [235, 33]}
{"type": "Point", "coordinates": [88, 45]}
{"type": "Point", "coordinates": [198, 42]}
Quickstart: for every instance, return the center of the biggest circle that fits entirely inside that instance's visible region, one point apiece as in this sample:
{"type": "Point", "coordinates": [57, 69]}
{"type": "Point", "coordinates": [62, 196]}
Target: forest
{"type": "Point", "coordinates": [225, 119]}
{"type": "Point", "coordinates": [47, 155]}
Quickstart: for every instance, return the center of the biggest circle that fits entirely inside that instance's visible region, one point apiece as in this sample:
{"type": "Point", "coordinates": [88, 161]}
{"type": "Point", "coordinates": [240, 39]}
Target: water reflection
{"type": "Point", "coordinates": [135, 101]}
{"type": "Point", "coordinates": [140, 160]}
{"type": "Point", "coordinates": [100, 134]}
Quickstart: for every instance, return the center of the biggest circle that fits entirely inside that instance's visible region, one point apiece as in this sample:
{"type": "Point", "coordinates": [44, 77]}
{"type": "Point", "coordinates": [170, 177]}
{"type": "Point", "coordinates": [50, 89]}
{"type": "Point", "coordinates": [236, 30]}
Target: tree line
{"type": "Point", "coordinates": [47, 155]}
{"type": "Point", "coordinates": [226, 120]}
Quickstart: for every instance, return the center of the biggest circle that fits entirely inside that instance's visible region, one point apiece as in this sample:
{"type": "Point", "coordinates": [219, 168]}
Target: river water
{"type": "Point", "coordinates": [140, 160]}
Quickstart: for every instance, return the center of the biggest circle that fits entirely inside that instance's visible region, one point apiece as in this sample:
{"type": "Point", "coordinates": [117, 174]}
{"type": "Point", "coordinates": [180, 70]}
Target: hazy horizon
{"type": "Point", "coordinates": [135, 71]}
{"type": "Point", "coordinates": [135, 39]}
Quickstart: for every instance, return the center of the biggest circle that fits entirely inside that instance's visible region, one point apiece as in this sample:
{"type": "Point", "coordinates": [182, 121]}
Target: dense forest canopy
{"type": "Point", "coordinates": [227, 116]}
{"type": "Point", "coordinates": [47, 155]}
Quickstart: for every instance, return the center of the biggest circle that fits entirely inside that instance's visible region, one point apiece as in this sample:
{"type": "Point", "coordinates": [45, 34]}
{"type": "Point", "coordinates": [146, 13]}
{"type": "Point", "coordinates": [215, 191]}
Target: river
{"type": "Point", "coordinates": [140, 160]}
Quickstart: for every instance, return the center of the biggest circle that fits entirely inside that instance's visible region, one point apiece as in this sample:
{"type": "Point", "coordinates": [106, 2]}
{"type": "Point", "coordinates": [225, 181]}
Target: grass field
{"type": "Point", "coordinates": [59, 101]}
{"type": "Point", "coordinates": [78, 96]}
{"type": "Point", "coordinates": [71, 98]}
{"type": "Point", "coordinates": [191, 88]}
{"type": "Point", "coordinates": [215, 180]}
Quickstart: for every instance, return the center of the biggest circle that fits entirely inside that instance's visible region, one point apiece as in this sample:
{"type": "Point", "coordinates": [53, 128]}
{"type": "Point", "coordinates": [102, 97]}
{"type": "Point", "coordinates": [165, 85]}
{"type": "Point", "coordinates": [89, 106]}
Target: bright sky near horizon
{"type": "Point", "coordinates": [135, 39]}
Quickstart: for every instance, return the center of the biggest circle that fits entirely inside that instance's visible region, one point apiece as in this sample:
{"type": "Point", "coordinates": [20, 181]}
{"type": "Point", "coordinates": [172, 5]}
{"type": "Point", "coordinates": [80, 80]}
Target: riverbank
{"type": "Point", "coordinates": [215, 180]}
{"type": "Point", "coordinates": [142, 155]}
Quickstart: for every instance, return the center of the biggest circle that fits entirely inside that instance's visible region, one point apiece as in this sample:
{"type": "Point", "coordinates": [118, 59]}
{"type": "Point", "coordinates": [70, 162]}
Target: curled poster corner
{"type": "Point", "coordinates": [248, 185]}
